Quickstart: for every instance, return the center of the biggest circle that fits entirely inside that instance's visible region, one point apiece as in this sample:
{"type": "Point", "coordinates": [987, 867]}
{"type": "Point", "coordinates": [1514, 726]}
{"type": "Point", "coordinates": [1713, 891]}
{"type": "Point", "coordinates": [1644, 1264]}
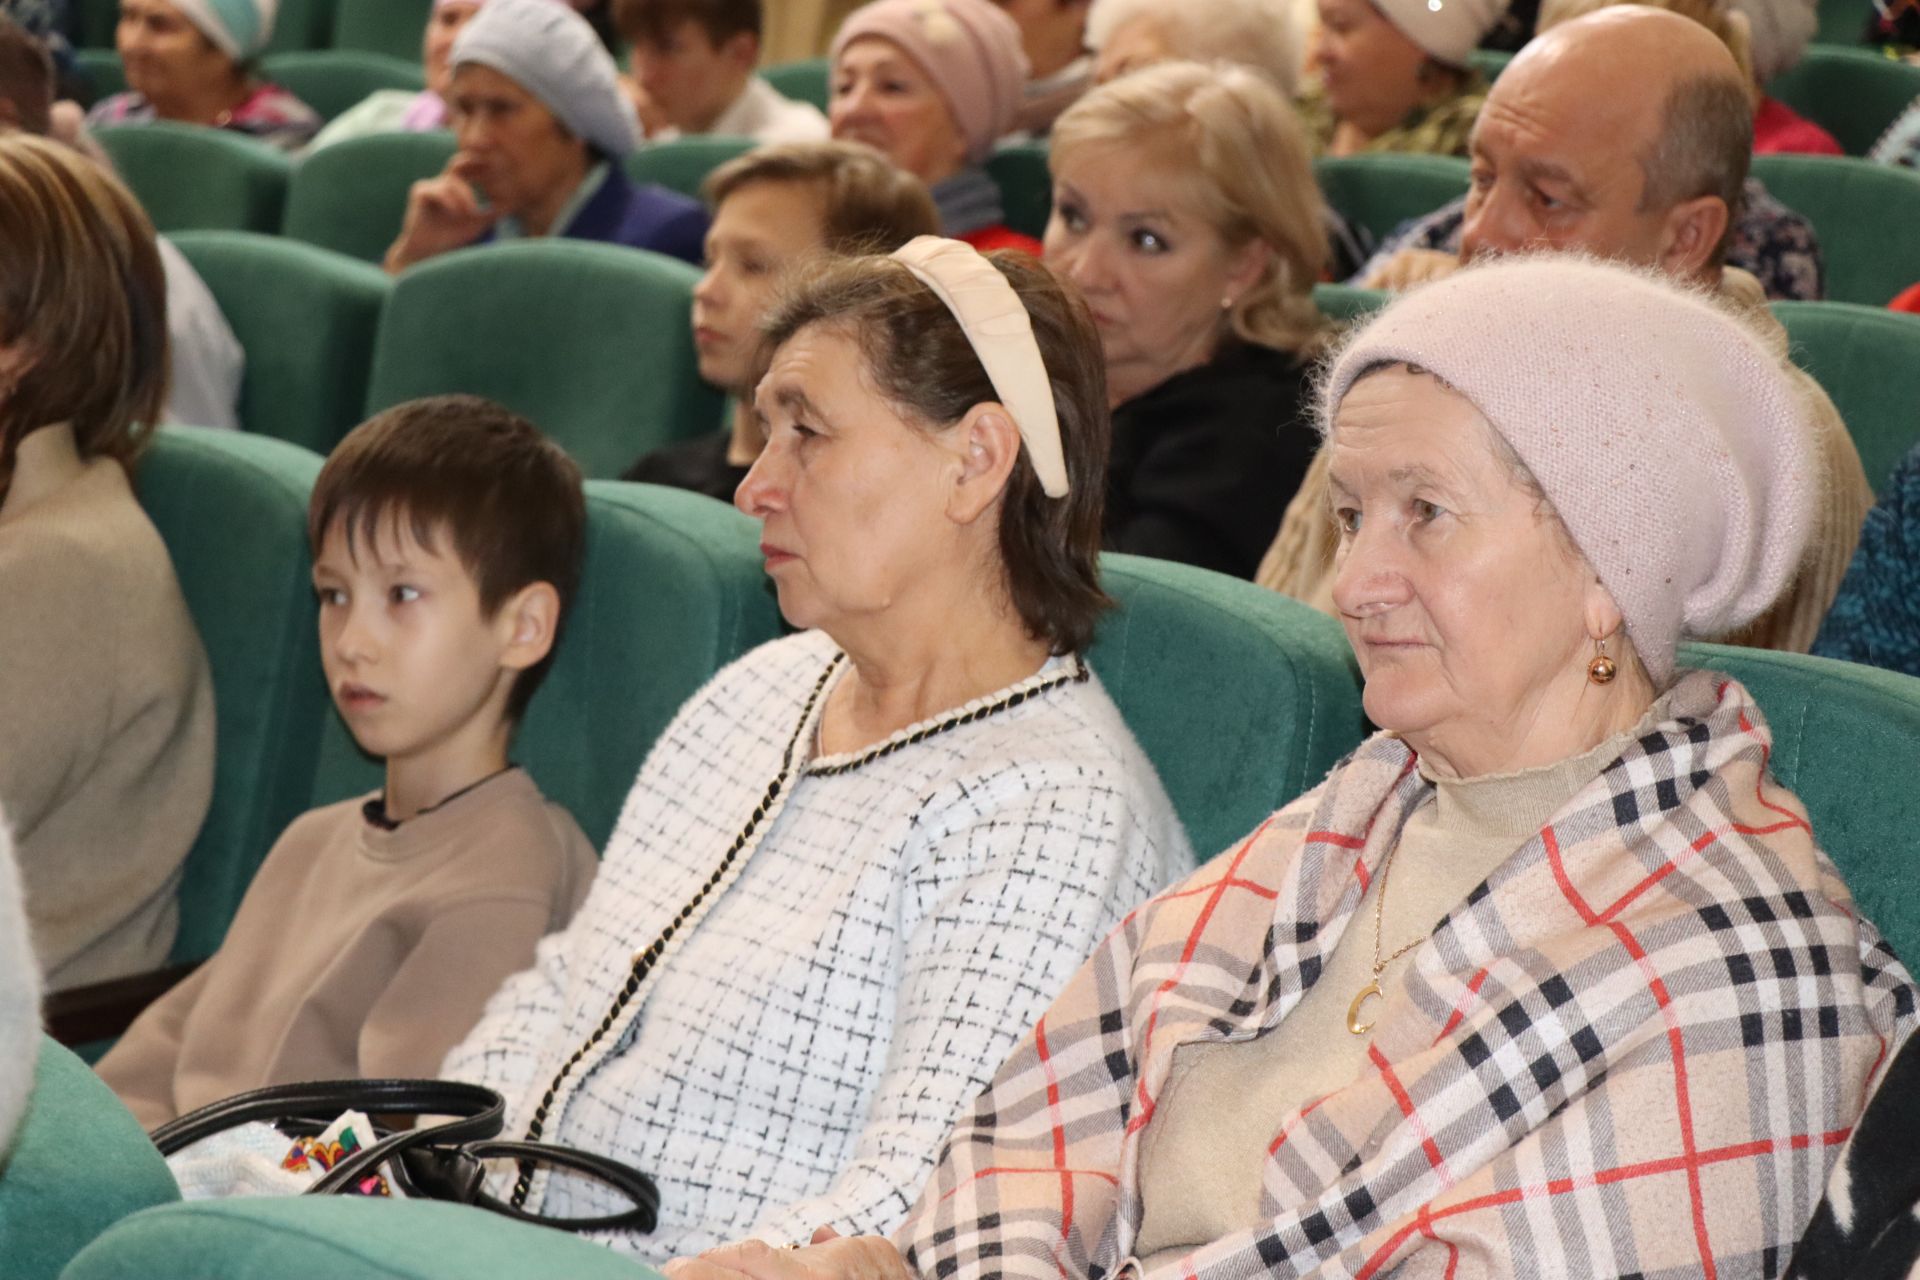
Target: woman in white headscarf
{"type": "Point", "coordinates": [191, 61]}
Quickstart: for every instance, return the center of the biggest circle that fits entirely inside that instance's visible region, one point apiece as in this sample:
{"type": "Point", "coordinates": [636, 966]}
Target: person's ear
{"type": "Point", "coordinates": [1692, 231]}
{"type": "Point", "coordinates": [9, 115]}
{"type": "Point", "coordinates": [1245, 266]}
{"type": "Point", "coordinates": [741, 50]}
{"type": "Point", "coordinates": [1601, 612]}
{"type": "Point", "coordinates": [527, 624]}
{"type": "Point", "coordinates": [989, 447]}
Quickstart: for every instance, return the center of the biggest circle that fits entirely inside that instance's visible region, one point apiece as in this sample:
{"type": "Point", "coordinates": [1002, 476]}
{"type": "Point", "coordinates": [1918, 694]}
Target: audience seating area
{"type": "Point", "coordinates": [1868, 359]}
{"type": "Point", "coordinates": [1853, 205]}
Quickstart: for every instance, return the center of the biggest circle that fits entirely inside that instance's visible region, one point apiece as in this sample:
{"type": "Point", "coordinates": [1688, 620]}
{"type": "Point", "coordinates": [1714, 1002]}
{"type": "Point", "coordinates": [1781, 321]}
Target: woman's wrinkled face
{"type": "Point", "coordinates": [1461, 595]}
{"type": "Point", "coordinates": [442, 27]}
{"type": "Point", "coordinates": [850, 495]}
{"type": "Point", "coordinates": [758, 231]}
{"type": "Point", "coordinates": [883, 98]}
{"type": "Point", "coordinates": [1152, 269]}
{"type": "Point", "coordinates": [165, 55]}
{"type": "Point", "coordinates": [1370, 71]}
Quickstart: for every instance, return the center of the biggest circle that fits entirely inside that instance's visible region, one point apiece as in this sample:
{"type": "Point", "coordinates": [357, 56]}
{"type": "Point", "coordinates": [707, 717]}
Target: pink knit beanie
{"type": "Point", "coordinates": [1670, 440]}
{"type": "Point", "coordinates": [969, 48]}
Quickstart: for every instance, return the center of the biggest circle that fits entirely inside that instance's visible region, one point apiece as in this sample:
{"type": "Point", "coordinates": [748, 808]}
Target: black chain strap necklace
{"type": "Point", "coordinates": [645, 961]}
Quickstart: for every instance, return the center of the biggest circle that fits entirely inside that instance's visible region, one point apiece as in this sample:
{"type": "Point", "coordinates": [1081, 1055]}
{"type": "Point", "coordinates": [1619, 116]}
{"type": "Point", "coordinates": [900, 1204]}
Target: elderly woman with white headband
{"type": "Point", "coordinates": [544, 130]}
{"type": "Point", "coordinates": [1550, 977]}
{"type": "Point", "coordinates": [860, 861]}
{"type": "Point", "coordinates": [1395, 75]}
{"type": "Point", "coordinates": [191, 62]}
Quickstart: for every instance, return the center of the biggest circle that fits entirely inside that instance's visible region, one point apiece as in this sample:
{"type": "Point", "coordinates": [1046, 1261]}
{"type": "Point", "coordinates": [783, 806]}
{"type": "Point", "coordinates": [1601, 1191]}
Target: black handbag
{"type": "Point", "coordinates": [435, 1162]}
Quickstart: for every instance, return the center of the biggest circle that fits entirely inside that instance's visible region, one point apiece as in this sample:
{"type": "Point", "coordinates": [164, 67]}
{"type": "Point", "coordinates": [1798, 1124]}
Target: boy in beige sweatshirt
{"type": "Point", "coordinates": [447, 537]}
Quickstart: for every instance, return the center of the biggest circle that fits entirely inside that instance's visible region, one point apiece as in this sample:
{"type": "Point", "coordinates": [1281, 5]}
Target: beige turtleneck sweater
{"type": "Point", "coordinates": [1204, 1153]}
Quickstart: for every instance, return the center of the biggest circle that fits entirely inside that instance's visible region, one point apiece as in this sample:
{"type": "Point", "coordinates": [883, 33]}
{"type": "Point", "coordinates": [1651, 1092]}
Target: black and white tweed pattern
{"type": "Point", "coordinates": [816, 1027]}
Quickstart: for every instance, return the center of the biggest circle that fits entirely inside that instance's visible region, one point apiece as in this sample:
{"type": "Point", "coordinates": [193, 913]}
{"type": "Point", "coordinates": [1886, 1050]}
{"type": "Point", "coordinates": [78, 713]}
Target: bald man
{"type": "Point", "coordinates": [1625, 134]}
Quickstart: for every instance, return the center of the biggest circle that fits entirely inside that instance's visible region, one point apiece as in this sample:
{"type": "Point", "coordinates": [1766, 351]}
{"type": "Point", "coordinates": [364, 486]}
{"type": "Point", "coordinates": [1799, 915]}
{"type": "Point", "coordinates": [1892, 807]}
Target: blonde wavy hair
{"type": "Point", "coordinates": [1237, 154]}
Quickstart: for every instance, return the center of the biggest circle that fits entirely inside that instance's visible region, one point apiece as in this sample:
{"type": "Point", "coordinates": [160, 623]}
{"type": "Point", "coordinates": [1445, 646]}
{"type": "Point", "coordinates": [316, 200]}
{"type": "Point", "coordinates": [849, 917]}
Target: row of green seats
{"type": "Point", "coordinates": [328, 80]}
{"type": "Point", "coordinates": [392, 27]}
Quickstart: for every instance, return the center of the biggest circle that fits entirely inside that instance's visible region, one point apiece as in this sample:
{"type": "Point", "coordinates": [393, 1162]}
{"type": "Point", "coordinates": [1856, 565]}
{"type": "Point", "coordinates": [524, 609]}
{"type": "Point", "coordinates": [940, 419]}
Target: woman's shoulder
{"type": "Point", "coordinates": [93, 533]}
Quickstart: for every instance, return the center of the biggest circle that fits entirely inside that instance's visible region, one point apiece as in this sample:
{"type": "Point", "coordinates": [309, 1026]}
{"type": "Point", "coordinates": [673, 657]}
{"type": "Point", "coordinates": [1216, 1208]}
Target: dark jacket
{"type": "Point", "coordinates": [1205, 463]}
{"type": "Point", "coordinates": [700, 465]}
{"type": "Point", "coordinates": [642, 216]}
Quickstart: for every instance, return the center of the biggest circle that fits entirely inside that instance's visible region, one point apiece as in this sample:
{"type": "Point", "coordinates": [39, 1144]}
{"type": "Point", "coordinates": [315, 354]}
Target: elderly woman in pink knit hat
{"type": "Point", "coordinates": [191, 61]}
{"type": "Point", "coordinates": [1551, 976]}
{"type": "Point", "coordinates": [932, 85]}
{"type": "Point", "coordinates": [1395, 75]}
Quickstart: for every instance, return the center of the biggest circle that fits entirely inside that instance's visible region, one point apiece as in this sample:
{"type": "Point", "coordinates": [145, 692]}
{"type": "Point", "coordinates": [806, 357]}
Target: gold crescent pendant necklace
{"type": "Point", "coordinates": [1372, 990]}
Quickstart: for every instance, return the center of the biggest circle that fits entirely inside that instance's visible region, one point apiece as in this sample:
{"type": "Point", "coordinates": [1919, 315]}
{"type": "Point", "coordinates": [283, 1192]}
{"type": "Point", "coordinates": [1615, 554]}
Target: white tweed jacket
{"type": "Point", "coordinates": [815, 1026]}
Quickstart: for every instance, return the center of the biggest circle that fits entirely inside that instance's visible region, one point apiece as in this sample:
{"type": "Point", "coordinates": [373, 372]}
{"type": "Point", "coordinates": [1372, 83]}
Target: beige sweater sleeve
{"type": "Point", "coordinates": [140, 1067]}
{"type": "Point", "coordinates": [56, 679]}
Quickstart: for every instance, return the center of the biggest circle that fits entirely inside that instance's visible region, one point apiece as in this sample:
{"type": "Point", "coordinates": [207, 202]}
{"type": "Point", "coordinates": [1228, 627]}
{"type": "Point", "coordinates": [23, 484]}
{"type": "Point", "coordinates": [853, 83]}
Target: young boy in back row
{"type": "Point", "coordinates": [447, 537]}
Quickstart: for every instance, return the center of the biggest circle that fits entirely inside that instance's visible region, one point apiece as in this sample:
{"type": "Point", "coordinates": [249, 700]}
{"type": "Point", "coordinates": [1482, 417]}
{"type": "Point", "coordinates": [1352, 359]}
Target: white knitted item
{"type": "Point", "coordinates": [814, 1032]}
{"type": "Point", "coordinates": [1672, 442]}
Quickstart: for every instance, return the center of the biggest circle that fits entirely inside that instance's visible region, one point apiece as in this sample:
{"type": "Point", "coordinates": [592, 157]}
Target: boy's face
{"type": "Point", "coordinates": [415, 667]}
{"type": "Point", "coordinates": [758, 231]}
{"type": "Point", "coordinates": [691, 79]}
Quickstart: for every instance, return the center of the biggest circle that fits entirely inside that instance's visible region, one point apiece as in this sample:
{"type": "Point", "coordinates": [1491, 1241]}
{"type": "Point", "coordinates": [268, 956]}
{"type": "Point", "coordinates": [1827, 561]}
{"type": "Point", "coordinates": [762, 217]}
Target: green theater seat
{"type": "Point", "coordinates": [1846, 740]}
{"type": "Point", "coordinates": [1868, 360]}
{"type": "Point", "coordinates": [1854, 94]}
{"type": "Point", "coordinates": [307, 319]}
{"type": "Point", "coordinates": [682, 164]}
{"type": "Point", "coordinates": [303, 24]}
{"type": "Point", "coordinates": [331, 80]}
{"type": "Point", "coordinates": [1026, 186]}
{"type": "Point", "coordinates": [1242, 698]}
{"type": "Point", "coordinates": [351, 197]}
{"type": "Point", "coordinates": [673, 591]}
{"type": "Point", "coordinates": [191, 178]}
{"type": "Point", "coordinates": [1854, 206]}
{"type": "Point", "coordinates": [803, 81]}
{"type": "Point", "coordinates": [102, 71]}
{"type": "Point", "coordinates": [1379, 191]}
{"type": "Point", "coordinates": [1347, 302]}
{"type": "Point", "coordinates": [591, 341]}
{"type": "Point", "coordinates": [232, 509]}
{"type": "Point", "coordinates": [79, 1163]}
{"type": "Point", "coordinates": [392, 27]}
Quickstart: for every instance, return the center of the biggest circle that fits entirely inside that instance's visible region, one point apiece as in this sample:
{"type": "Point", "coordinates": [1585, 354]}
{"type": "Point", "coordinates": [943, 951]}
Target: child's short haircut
{"type": "Point", "coordinates": [507, 497]}
{"type": "Point", "coordinates": [866, 204]}
{"type": "Point", "coordinates": [653, 22]}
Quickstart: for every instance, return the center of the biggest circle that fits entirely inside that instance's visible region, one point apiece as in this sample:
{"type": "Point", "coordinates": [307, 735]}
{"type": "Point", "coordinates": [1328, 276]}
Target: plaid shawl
{"type": "Point", "coordinates": [1634, 1049]}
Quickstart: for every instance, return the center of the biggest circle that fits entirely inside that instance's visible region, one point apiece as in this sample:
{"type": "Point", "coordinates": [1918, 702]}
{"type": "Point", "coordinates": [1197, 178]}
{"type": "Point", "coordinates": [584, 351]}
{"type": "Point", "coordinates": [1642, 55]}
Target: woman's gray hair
{"type": "Point", "coordinates": [1251, 33]}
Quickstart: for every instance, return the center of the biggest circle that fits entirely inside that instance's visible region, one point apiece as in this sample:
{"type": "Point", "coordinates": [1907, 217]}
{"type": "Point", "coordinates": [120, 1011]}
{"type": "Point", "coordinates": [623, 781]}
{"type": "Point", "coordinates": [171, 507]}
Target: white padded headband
{"type": "Point", "coordinates": [996, 323]}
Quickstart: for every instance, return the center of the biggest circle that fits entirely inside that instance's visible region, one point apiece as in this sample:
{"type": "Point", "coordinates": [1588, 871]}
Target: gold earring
{"type": "Point", "coordinates": [1602, 669]}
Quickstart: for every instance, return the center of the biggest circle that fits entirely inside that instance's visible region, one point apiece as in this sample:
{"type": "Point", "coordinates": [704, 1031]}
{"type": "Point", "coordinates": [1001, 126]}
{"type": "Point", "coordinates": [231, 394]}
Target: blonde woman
{"type": "Point", "coordinates": [1185, 210]}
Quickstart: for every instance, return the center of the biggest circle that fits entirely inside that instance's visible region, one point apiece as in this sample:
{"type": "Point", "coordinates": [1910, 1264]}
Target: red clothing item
{"type": "Point", "coordinates": [1908, 301]}
{"type": "Point", "coordinates": [1778, 128]}
{"type": "Point", "coordinates": [1001, 236]}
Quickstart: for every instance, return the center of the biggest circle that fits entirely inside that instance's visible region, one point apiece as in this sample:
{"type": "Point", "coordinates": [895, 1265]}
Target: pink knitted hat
{"type": "Point", "coordinates": [969, 48]}
{"type": "Point", "coordinates": [1669, 438]}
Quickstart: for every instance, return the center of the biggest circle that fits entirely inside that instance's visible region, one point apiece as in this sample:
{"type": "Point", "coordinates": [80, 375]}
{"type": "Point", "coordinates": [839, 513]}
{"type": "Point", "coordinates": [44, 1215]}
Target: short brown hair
{"type": "Point", "coordinates": [508, 498]}
{"type": "Point", "coordinates": [83, 303]}
{"type": "Point", "coordinates": [920, 360]}
{"type": "Point", "coordinates": [653, 21]}
{"type": "Point", "coordinates": [26, 76]}
{"type": "Point", "coordinates": [866, 204]}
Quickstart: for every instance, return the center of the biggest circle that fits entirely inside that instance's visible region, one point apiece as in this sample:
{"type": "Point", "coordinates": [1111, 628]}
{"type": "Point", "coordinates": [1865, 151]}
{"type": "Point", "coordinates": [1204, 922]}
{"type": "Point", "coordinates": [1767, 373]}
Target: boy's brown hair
{"type": "Point", "coordinates": [463, 468]}
{"type": "Point", "coordinates": [653, 22]}
{"type": "Point", "coordinates": [866, 204]}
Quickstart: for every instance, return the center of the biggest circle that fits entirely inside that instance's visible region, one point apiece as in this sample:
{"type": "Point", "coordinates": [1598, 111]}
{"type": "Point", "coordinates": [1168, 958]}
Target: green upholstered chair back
{"type": "Point", "coordinates": [232, 509]}
{"type": "Point", "coordinates": [191, 178]}
{"type": "Point", "coordinates": [1846, 740]}
{"type": "Point", "coordinates": [590, 341]}
{"type": "Point", "coordinates": [80, 1162]}
{"type": "Point", "coordinates": [803, 81]}
{"type": "Point", "coordinates": [684, 163]}
{"type": "Point", "coordinates": [307, 319]}
{"type": "Point", "coordinates": [102, 70]}
{"type": "Point", "coordinates": [392, 27]}
{"type": "Point", "coordinates": [346, 1236]}
{"type": "Point", "coordinates": [673, 590]}
{"type": "Point", "coordinates": [1851, 204]}
{"type": "Point", "coordinates": [1377, 192]}
{"type": "Point", "coordinates": [1868, 360]}
{"type": "Point", "coordinates": [1843, 22]}
{"type": "Point", "coordinates": [1854, 94]}
{"type": "Point", "coordinates": [1490, 62]}
{"type": "Point", "coordinates": [1242, 698]}
{"type": "Point", "coordinates": [332, 80]}
{"type": "Point", "coordinates": [1347, 302]}
{"type": "Point", "coordinates": [1019, 169]}
{"type": "Point", "coordinates": [352, 196]}
{"type": "Point", "coordinates": [92, 22]}
{"type": "Point", "coordinates": [303, 24]}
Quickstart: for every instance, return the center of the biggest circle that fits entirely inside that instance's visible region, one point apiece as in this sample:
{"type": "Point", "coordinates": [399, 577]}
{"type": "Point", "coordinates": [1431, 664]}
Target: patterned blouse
{"type": "Point", "coordinates": [1442, 129]}
{"type": "Point", "coordinates": [269, 113]}
{"type": "Point", "coordinates": [1770, 242]}
{"type": "Point", "coordinates": [1900, 144]}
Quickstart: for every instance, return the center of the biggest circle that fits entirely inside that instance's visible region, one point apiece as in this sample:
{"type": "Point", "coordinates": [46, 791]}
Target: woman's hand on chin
{"type": "Point", "coordinates": [831, 1256]}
